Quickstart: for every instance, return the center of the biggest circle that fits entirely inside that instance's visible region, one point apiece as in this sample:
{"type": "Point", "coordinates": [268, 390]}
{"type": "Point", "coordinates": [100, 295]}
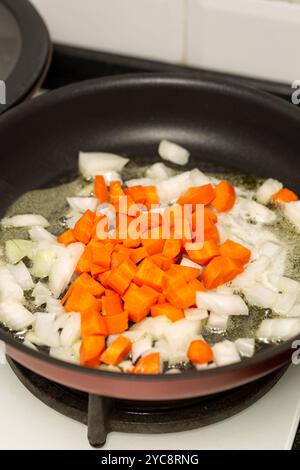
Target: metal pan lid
{"type": "Point", "coordinates": [25, 51]}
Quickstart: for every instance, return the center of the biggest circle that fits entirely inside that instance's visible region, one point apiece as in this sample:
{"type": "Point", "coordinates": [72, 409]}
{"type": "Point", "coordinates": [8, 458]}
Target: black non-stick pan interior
{"type": "Point", "coordinates": [224, 127]}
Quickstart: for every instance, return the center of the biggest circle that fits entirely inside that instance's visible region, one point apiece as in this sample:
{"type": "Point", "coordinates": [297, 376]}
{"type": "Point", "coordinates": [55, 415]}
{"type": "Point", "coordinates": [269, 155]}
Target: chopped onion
{"type": "Point", "coordinates": [61, 319]}
{"type": "Point", "coordinates": [110, 176]}
{"type": "Point", "coordinates": [126, 366]}
{"type": "Point", "coordinates": [217, 323]}
{"type": "Point", "coordinates": [29, 345]}
{"type": "Point", "coordinates": [285, 302]}
{"type": "Point", "coordinates": [132, 334]}
{"type": "Point", "coordinates": [25, 220]}
{"type": "Point", "coordinates": [16, 250]}
{"type": "Point", "coordinates": [21, 275]}
{"type": "Point", "coordinates": [178, 336]}
{"type": "Point", "coordinates": [9, 289]}
{"type": "Point", "coordinates": [63, 354]}
{"type": "Point", "coordinates": [139, 182]}
{"type": "Point", "coordinates": [278, 329]}
{"type": "Point", "coordinates": [15, 316]}
{"type": "Point", "coordinates": [267, 189]}
{"type": "Point", "coordinates": [270, 249]}
{"type": "Point", "coordinates": [291, 211]}
{"type": "Point", "coordinates": [38, 234]}
{"type": "Point", "coordinates": [159, 172]}
{"type": "Point", "coordinates": [173, 152]}
{"type": "Point", "coordinates": [221, 304]}
{"type": "Point", "coordinates": [170, 190]}
{"type": "Point", "coordinates": [195, 313]}
{"type": "Point", "coordinates": [295, 311]}
{"type": "Point", "coordinates": [71, 221]}
{"type": "Point", "coordinates": [283, 283]}
{"type": "Point", "coordinates": [32, 337]}
{"type": "Point", "coordinates": [40, 294]}
{"type": "Point", "coordinates": [63, 268]}
{"type": "Point", "coordinates": [260, 296]}
{"type": "Point", "coordinates": [97, 163]}
{"type": "Point", "coordinates": [162, 347]}
{"type": "Point", "coordinates": [249, 209]}
{"type": "Point", "coordinates": [173, 371]}
{"type": "Point", "coordinates": [154, 326]}
{"type": "Point", "coordinates": [245, 346]}
{"type": "Point", "coordinates": [54, 306]}
{"type": "Point", "coordinates": [140, 346]}
{"type": "Point", "coordinates": [197, 178]}
{"type": "Point", "coordinates": [46, 329]}
{"type": "Point", "coordinates": [43, 261]}
{"type": "Point", "coordinates": [225, 353]}
{"type": "Point", "coordinates": [71, 331]}
{"type": "Point", "coordinates": [82, 204]}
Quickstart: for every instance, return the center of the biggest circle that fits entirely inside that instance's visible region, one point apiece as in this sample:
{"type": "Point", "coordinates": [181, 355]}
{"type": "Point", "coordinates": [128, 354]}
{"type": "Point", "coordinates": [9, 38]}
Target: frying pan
{"type": "Point", "coordinates": [223, 125]}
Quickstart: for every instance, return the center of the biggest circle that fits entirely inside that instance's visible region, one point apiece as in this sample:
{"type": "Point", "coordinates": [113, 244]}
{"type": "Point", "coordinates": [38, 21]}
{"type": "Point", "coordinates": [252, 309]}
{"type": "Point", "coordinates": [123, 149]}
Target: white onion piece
{"type": "Point", "coordinates": [191, 264]}
{"type": "Point", "coordinates": [15, 316]}
{"type": "Point", "coordinates": [217, 323]}
{"type": "Point", "coordinates": [9, 289]}
{"type": "Point", "coordinates": [126, 366]}
{"type": "Point", "coordinates": [291, 211]}
{"type": "Point", "coordinates": [159, 172]}
{"type": "Point", "coordinates": [40, 294]}
{"type": "Point", "coordinates": [270, 249]}
{"type": "Point", "coordinates": [260, 296]}
{"type": "Point", "coordinates": [225, 290]}
{"type": "Point", "coordinates": [173, 152]}
{"type": "Point", "coordinates": [154, 326]}
{"type": "Point", "coordinates": [245, 346]}
{"type": "Point", "coordinates": [178, 336]}
{"type": "Point", "coordinates": [140, 346]}
{"type": "Point", "coordinates": [63, 268]}
{"type": "Point", "coordinates": [71, 331]}
{"type": "Point", "coordinates": [225, 353]}
{"type": "Point", "coordinates": [197, 178]}
{"type": "Point", "coordinates": [63, 354]}
{"type": "Point", "coordinates": [205, 366]}
{"type": "Point", "coordinates": [173, 371]}
{"type": "Point", "coordinates": [110, 176]}
{"type": "Point", "coordinates": [283, 283]}
{"type": "Point", "coordinates": [295, 311]}
{"type": "Point", "coordinates": [43, 261]}
{"type": "Point", "coordinates": [222, 304]}
{"type": "Point", "coordinates": [162, 347]}
{"type": "Point", "coordinates": [267, 189]}
{"type": "Point", "coordinates": [170, 190]}
{"type": "Point", "coordinates": [285, 302]}
{"type": "Point", "coordinates": [71, 221]}
{"type": "Point", "coordinates": [139, 182]}
{"type": "Point", "coordinates": [61, 319]}
{"type": "Point", "coordinates": [133, 335]}
{"type": "Point", "coordinates": [54, 306]}
{"type": "Point", "coordinates": [46, 329]}
{"type": "Point", "coordinates": [32, 337]}
{"type": "Point", "coordinates": [25, 220]}
{"type": "Point", "coordinates": [278, 329]}
{"type": "Point", "coordinates": [21, 275]}
{"type": "Point", "coordinates": [38, 234]}
{"type": "Point", "coordinates": [97, 163]}
{"type": "Point", "coordinates": [82, 204]}
{"type": "Point", "coordinates": [16, 250]}
{"type": "Point", "coordinates": [29, 345]}
{"type": "Point", "coordinates": [195, 313]}
{"type": "Point", "coordinates": [247, 208]}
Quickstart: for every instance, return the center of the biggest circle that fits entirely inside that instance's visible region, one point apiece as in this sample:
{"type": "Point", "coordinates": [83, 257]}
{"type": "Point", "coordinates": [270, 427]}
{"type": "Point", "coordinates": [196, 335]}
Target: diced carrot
{"type": "Point", "coordinates": [161, 299]}
{"type": "Point", "coordinates": [119, 257]}
{"type": "Point", "coordinates": [103, 278]}
{"type": "Point", "coordinates": [235, 251]}
{"type": "Point", "coordinates": [198, 195]}
{"type": "Point", "coordinates": [116, 323]}
{"type": "Point", "coordinates": [93, 363]}
{"type": "Point", "coordinates": [149, 220]}
{"type": "Point", "coordinates": [137, 193]}
{"type": "Point", "coordinates": [84, 263]}
{"type": "Point", "coordinates": [131, 242]}
{"type": "Point", "coordinates": [199, 352]}
{"type": "Point", "coordinates": [149, 364]}
{"type": "Point", "coordinates": [210, 231]}
{"type": "Point", "coordinates": [207, 225]}
{"type": "Point", "coordinates": [67, 237]}
{"type": "Point", "coordinates": [111, 305]}
{"type": "Point", "coordinates": [109, 292]}
{"type": "Point", "coordinates": [138, 301]}
{"type": "Point", "coordinates": [91, 285]}
{"type": "Point", "coordinates": [173, 313]}
{"type": "Point", "coordinates": [196, 285]}
{"type": "Point", "coordinates": [151, 196]}
{"type": "Point", "coordinates": [92, 324]}
{"type": "Point", "coordinates": [152, 241]}
{"type": "Point", "coordinates": [172, 248]}
{"type": "Point", "coordinates": [183, 297]}
{"type": "Point", "coordinates": [209, 250]}
{"type": "Point", "coordinates": [284, 195]}
{"type": "Point", "coordinates": [174, 278]}
{"type": "Point", "coordinates": [100, 232]}
{"type": "Point", "coordinates": [91, 348]}
{"type": "Point", "coordinates": [81, 300]}
{"type": "Point", "coordinates": [118, 198]}
{"type": "Point", "coordinates": [225, 197]}
{"type": "Point", "coordinates": [210, 215]}
{"type": "Point", "coordinates": [187, 272]}
{"type": "Point", "coordinates": [162, 261]}
{"type": "Point", "coordinates": [96, 269]}
{"type": "Point", "coordinates": [102, 255]}
{"type": "Point", "coordinates": [117, 351]}
{"type": "Point", "coordinates": [149, 274]}
{"type": "Point", "coordinates": [121, 276]}
{"type": "Point", "coordinates": [84, 227]}
{"type": "Point", "coordinates": [100, 189]}
{"type": "Point", "coordinates": [139, 254]}
{"type": "Point", "coordinates": [220, 270]}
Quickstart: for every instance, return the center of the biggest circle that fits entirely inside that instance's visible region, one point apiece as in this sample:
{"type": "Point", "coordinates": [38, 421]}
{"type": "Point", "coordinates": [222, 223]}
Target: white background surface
{"type": "Point", "coordinates": [271, 423]}
{"type": "Point", "coordinates": [258, 38]}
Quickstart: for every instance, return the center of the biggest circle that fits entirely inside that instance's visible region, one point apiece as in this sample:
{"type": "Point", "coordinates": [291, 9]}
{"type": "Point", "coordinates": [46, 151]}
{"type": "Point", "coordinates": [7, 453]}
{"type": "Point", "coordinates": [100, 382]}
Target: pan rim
{"type": "Point", "coordinates": [149, 79]}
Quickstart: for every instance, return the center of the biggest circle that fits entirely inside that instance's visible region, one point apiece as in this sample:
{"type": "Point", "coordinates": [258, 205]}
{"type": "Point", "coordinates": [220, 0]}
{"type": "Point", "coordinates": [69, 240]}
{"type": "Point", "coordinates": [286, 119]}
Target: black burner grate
{"type": "Point", "coordinates": [103, 415]}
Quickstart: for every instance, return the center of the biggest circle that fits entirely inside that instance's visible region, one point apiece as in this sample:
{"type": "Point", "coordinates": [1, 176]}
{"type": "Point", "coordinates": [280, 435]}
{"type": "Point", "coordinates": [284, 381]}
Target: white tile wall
{"type": "Point", "coordinates": [145, 28]}
{"type": "Point", "coordinates": [249, 37]}
{"type": "Point", "coordinates": [258, 38]}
